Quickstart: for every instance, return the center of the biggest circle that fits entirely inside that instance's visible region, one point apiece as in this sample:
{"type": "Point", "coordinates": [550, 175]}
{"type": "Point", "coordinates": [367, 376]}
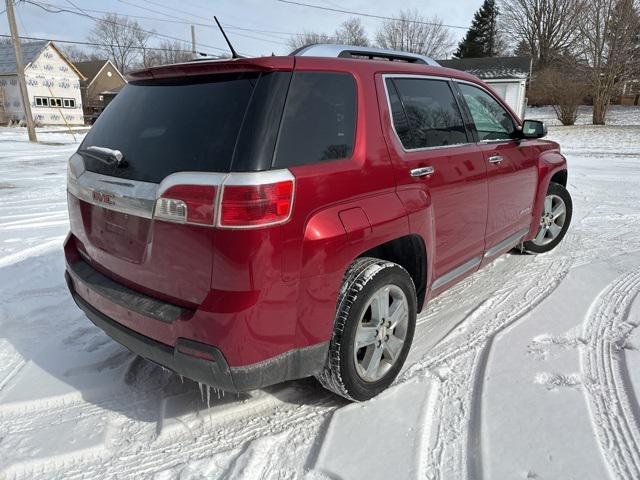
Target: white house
{"type": "Point", "coordinates": [53, 85]}
{"type": "Point", "coordinates": [508, 76]}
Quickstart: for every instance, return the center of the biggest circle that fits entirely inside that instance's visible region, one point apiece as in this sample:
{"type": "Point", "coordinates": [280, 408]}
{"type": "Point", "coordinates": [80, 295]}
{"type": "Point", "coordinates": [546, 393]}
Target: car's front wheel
{"type": "Point", "coordinates": [373, 330]}
{"type": "Point", "coordinates": [554, 222]}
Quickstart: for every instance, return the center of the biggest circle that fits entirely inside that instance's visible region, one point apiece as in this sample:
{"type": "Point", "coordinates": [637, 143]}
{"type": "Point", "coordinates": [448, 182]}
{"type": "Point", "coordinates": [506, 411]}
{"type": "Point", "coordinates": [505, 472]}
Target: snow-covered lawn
{"type": "Point", "coordinates": [528, 369]}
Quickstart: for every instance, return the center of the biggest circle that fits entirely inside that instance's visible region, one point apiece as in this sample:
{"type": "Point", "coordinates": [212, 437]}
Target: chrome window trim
{"type": "Point", "coordinates": [456, 272]}
{"type": "Point", "coordinates": [393, 127]}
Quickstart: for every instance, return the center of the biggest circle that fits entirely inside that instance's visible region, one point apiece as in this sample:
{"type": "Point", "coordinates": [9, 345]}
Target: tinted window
{"type": "Point", "coordinates": [319, 119]}
{"type": "Point", "coordinates": [399, 119]}
{"type": "Point", "coordinates": [170, 126]}
{"type": "Point", "coordinates": [491, 120]}
{"type": "Point", "coordinates": [431, 113]}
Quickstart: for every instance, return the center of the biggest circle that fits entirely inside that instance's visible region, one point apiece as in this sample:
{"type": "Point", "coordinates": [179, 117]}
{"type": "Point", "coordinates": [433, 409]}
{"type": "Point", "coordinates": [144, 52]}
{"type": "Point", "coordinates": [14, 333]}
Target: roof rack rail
{"type": "Point", "coordinates": [352, 51]}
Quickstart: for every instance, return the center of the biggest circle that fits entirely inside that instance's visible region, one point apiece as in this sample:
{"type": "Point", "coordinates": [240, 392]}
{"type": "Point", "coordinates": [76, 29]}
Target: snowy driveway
{"type": "Point", "coordinates": [528, 369]}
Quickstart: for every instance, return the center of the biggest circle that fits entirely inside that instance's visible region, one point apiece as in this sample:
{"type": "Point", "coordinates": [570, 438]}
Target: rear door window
{"type": "Point", "coordinates": [319, 119]}
{"type": "Point", "coordinates": [430, 116]}
{"type": "Point", "coordinates": [167, 126]}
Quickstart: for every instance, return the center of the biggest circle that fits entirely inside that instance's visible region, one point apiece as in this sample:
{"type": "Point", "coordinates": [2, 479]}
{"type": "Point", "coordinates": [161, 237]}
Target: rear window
{"type": "Point", "coordinates": [163, 127]}
{"type": "Point", "coordinates": [319, 119]}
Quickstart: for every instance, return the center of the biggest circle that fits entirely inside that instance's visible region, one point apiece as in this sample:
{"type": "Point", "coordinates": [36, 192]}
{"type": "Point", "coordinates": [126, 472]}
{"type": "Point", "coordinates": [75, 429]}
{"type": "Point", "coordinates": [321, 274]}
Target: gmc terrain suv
{"type": "Point", "coordinates": [250, 221]}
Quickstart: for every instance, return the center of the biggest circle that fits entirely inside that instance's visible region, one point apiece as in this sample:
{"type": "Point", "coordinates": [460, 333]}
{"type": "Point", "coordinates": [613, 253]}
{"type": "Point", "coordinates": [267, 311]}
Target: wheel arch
{"type": "Point", "coordinates": [552, 167]}
{"type": "Point", "coordinates": [408, 251]}
{"type": "Point", "coordinates": [560, 177]}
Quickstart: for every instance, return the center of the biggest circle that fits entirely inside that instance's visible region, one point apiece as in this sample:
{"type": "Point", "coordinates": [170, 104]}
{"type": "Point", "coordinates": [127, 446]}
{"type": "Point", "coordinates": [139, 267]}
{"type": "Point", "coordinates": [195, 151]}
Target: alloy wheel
{"type": "Point", "coordinates": [381, 333]}
{"type": "Point", "coordinates": [552, 220]}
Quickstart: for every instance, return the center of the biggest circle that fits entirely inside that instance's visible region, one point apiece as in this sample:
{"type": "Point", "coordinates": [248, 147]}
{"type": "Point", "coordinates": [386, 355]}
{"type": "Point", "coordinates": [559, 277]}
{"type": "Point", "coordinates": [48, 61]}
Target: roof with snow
{"type": "Point", "coordinates": [30, 51]}
{"type": "Point", "coordinates": [492, 68]}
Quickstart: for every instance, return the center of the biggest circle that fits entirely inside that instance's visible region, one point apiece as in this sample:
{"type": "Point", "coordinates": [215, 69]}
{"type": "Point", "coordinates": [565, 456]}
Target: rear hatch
{"type": "Point", "coordinates": [177, 130]}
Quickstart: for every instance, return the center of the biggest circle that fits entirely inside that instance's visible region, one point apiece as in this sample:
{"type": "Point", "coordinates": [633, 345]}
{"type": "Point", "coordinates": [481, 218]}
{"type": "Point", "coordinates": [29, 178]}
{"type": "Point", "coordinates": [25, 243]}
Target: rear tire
{"type": "Point", "coordinates": [554, 222]}
{"type": "Point", "coordinates": [373, 330]}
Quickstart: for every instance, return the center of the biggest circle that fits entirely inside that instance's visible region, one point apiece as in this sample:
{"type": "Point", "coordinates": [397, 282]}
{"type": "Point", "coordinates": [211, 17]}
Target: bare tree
{"type": "Point", "coordinates": [412, 32]}
{"type": "Point", "coordinates": [77, 54]}
{"type": "Point", "coordinates": [168, 52]}
{"type": "Point", "coordinates": [563, 87]}
{"type": "Point", "coordinates": [308, 38]}
{"type": "Point", "coordinates": [548, 29]}
{"type": "Point", "coordinates": [351, 32]}
{"type": "Point", "coordinates": [610, 30]}
{"type": "Point", "coordinates": [125, 41]}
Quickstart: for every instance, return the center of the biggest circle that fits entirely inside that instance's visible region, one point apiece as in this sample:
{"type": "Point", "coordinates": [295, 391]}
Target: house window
{"type": "Point", "coordinates": [72, 103]}
{"type": "Point", "coordinates": [41, 101]}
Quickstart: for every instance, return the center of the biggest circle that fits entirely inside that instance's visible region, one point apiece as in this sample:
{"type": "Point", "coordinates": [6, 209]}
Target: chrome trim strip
{"type": "Point", "coordinates": [191, 178]}
{"type": "Point", "coordinates": [456, 272]}
{"type": "Point", "coordinates": [133, 197]}
{"type": "Point", "coordinates": [422, 171]}
{"type": "Point", "coordinates": [125, 196]}
{"type": "Point", "coordinates": [259, 178]}
{"type": "Point", "coordinates": [510, 241]}
{"type": "Point", "coordinates": [393, 127]}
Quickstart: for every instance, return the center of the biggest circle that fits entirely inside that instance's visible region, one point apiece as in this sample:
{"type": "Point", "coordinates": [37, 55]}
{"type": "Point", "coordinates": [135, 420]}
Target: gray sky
{"type": "Point", "coordinates": [264, 17]}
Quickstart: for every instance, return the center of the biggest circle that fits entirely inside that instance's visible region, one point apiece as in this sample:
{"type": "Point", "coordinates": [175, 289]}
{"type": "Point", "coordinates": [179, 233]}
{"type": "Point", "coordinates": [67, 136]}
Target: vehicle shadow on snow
{"type": "Point", "coordinates": [59, 353]}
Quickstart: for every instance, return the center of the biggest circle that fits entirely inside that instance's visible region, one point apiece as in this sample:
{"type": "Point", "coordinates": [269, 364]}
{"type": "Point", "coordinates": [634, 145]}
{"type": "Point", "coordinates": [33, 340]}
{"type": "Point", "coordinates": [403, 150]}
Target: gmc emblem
{"type": "Point", "coordinates": [103, 197]}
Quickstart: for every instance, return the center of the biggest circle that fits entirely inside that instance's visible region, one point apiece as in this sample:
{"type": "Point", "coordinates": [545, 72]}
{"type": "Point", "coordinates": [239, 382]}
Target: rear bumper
{"type": "Point", "coordinates": [195, 360]}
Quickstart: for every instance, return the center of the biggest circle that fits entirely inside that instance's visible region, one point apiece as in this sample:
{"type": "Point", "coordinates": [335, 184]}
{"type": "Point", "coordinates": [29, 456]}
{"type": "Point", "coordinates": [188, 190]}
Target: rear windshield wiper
{"type": "Point", "coordinates": [104, 155]}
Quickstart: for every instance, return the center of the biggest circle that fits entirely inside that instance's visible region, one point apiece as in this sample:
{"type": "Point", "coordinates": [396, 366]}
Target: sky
{"type": "Point", "coordinates": [269, 22]}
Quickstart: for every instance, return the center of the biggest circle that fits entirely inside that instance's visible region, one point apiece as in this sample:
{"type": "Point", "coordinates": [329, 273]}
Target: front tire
{"type": "Point", "coordinates": [554, 222]}
{"type": "Point", "coordinates": [373, 330]}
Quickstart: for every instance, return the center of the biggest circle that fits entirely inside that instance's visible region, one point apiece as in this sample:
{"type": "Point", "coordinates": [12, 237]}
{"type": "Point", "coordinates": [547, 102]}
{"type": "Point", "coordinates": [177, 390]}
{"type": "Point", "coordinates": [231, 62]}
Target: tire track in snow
{"type": "Point", "coordinates": [612, 404]}
{"type": "Point", "coordinates": [455, 448]}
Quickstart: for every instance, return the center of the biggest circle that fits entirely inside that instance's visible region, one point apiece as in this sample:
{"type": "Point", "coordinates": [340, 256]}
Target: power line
{"type": "Point", "coordinates": [277, 41]}
{"type": "Point", "coordinates": [44, 6]}
{"type": "Point", "coordinates": [369, 15]}
{"type": "Point", "coordinates": [97, 44]}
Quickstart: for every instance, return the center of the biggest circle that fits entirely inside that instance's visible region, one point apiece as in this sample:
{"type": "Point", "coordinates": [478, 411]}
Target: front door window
{"type": "Point", "coordinates": [490, 118]}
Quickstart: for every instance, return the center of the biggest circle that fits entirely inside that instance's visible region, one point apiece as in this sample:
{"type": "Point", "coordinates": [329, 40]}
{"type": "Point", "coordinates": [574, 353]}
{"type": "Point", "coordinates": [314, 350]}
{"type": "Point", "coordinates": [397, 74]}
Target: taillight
{"type": "Point", "coordinates": [188, 204]}
{"type": "Point", "coordinates": [233, 200]}
{"type": "Point", "coordinates": [256, 205]}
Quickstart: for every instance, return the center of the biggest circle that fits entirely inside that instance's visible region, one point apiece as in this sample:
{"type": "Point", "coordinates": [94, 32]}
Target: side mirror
{"type": "Point", "coordinates": [534, 129]}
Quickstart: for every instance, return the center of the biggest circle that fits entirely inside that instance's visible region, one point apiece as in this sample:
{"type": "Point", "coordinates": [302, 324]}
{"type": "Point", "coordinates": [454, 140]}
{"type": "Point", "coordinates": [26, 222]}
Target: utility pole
{"type": "Point", "coordinates": [194, 55]}
{"type": "Point", "coordinates": [15, 38]}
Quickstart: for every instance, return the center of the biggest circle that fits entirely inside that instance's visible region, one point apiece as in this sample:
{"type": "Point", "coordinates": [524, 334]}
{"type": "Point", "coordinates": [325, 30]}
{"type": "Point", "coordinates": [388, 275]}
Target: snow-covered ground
{"type": "Point", "coordinates": [528, 369]}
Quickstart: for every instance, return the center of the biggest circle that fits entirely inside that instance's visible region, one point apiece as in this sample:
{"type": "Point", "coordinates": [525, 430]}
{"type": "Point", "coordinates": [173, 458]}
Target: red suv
{"type": "Point", "coordinates": [250, 221]}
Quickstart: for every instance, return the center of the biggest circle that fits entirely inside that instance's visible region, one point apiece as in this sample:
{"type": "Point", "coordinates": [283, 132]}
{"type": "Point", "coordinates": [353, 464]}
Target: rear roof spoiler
{"type": "Point", "coordinates": [210, 66]}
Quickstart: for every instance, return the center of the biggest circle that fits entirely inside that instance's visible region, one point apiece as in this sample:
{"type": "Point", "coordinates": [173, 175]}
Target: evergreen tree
{"type": "Point", "coordinates": [522, 49]}
{"type": "Point", "coordinates": [481, 39]}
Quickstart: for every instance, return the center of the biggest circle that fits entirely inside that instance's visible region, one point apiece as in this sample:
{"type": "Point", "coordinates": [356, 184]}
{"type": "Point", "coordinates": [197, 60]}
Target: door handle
{"type": "Point", "coordinates": [495, 159]}
{"type": "Point", "coordinates": [422, 171]}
